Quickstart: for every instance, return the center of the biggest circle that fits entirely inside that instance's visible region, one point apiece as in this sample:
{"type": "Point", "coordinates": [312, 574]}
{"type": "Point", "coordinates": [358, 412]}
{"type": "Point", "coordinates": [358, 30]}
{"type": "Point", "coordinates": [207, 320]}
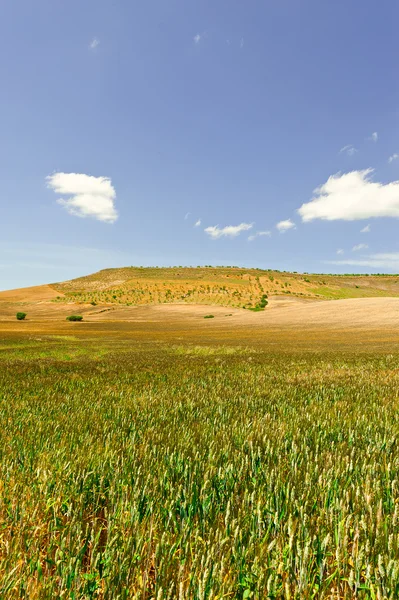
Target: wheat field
{"type": "Point", "coordinates": [193, 468]}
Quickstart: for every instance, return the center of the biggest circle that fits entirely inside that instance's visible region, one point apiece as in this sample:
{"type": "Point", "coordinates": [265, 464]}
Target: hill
{"type": "Point", "coordinates": [217, 286]}
{"type": "Point", "coordinates": [225, 286]}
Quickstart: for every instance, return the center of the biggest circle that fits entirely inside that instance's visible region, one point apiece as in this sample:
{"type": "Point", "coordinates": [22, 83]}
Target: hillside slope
{"type": "Point", "coordinates": [225, 286]}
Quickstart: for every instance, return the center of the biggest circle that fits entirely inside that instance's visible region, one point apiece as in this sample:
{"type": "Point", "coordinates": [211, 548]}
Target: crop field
{"type": "Point", "coordinates": [196, 467]}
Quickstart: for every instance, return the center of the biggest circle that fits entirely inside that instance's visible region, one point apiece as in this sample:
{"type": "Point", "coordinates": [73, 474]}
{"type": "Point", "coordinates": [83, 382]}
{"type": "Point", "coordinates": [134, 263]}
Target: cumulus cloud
{"type": "Point", "coordinates": [216, 232]}
{"type": "Point", "coordinates": [94, 43]}
{"type": "Point", "coordinates": [197, 223]}
{"type": "Point", "coordinates": [284, 226]}
{"type": "Point", "coordinates": [88, 196]}
{"type": "Point", "coordinates": [366, 229]}
{"type": "Point", "coordinates": [350, 150]}
{"type": "Point", "coordinates": [374, 137]}
{"type": "Point", "coordinates": [359, 247]}
{"type": "Point", "coordinates": [340, 251]}
{"type": "Point", "coordinates": [393, 157]}
{"type": "Point", "coordinates": [389, 261]}
{"type": "Point", "coordinates": [352, 196]}
{"type": "Point", "coordinates": [251, 238]}
{"type": "Point", "coordinates": [197, 38]}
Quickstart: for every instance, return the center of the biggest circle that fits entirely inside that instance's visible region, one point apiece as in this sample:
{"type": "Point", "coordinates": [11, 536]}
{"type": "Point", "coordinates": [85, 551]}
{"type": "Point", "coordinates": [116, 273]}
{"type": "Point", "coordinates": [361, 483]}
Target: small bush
{"type": "Point", "coordinates": [21, 316]}
{"type": "Point", "coordinates": [209, 317]}
{"type": "Point", "coordinates": [263, 301]}
{"type": "Point", "coordinates": [74, 318]}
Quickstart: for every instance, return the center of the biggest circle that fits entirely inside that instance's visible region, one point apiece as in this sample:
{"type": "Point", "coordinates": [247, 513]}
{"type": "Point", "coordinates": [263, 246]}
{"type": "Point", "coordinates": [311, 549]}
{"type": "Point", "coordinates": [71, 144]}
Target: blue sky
{"type": "Point", "coordinates": [125, 123]}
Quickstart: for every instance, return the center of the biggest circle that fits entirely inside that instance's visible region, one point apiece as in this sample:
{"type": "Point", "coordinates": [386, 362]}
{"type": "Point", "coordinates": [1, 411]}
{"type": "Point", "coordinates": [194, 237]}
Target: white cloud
{"type": "Point", "coordinates": [216, 232]}
{"type": "Point", "coordinates": [366, 229]}
{"type": "Point", "coordinates": [242, 42]}
{"type": "Point", "coordinates": [352, 196]}
{"type": "Point", "coordinates": [197, 38]}
{"type": "Point", "coordinates": [389, 261]}
{"type": "Point", "coordinates": [394, 156]}
{"type": "Point", "coordinates": [340, 251]}
{"type": "Point", "coordinates": [89, 196]}
{"type": "Point", "coordinates": [350, 150]}
{"type": "Point", "coordinates": [284, 226]}
{"type": "Point", "coordinates": [259, 234]}
{"type": "Point", "coordinates": [186, 216]}
{"type": "Point", "coordinates": [359, 247]}
{"type": "Point", "coordinates": [374, 137]}
{"type": "Point", "coordinates": [94, 43]}
{"type": "Point", "coordinates": [197, 223]}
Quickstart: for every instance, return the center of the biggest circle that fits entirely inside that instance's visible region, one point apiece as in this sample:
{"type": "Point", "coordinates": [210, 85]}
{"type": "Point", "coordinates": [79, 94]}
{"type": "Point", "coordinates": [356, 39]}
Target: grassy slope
{"type": "Point", "coordinates": [225, 286]}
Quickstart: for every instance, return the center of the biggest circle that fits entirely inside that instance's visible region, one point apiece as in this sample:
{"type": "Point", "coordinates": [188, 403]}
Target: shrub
{"type": "Point", "coordinates": [21, 316]}
{"type": "Point", "coordinates": [263, 301]}
{"type": "Point", "coordinates": [209, 317]}
{"type": "Point", "coordinates": [74, 318]}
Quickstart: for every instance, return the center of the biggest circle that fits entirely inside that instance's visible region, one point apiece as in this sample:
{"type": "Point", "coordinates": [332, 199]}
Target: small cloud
{"type": "Point", "coordinates": [259, 234]}
{"type": "Point", "coordinates": [197, 38]}
{"type": "Point", "coordinates": [216, 232]}
{"type": "Point", "coordinates": [360, 247]}
{"type": "Point", "coordinates": [186, 216]}
{"type": "Point", "coordinates": [284, 226]}
{"type": "Point", "coordinates": [350, 150]}
{"type": "Point", "coordinates": [366, 229]}
{"type": "Point", "coordinates": [89, 196]}
{"type": "Point", "coordinates": [394, 156]}
{"type": "Point", "coordinates": [340, 251]}
{"type": "Point", "coordinates": [94, 43]}
{"type": "Point", "coordinates": [374, 137]}
{"type": "Point", "coordinates": [197, 223]}
{"type": "Point", "coordinates": [242, 42]}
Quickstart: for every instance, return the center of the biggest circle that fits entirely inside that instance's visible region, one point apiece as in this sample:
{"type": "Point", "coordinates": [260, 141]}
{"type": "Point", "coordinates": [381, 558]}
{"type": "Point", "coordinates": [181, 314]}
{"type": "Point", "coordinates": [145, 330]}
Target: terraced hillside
{"type": "Point", "coordinates": [226, 286]}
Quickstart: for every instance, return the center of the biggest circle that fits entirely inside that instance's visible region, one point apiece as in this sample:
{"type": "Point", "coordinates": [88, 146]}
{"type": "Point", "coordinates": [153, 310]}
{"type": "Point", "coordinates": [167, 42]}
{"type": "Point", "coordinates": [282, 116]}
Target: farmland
{"type": "Point", "coordinates": [183, 447]}
{"type": "Point", "coordinates": [182, 459]}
